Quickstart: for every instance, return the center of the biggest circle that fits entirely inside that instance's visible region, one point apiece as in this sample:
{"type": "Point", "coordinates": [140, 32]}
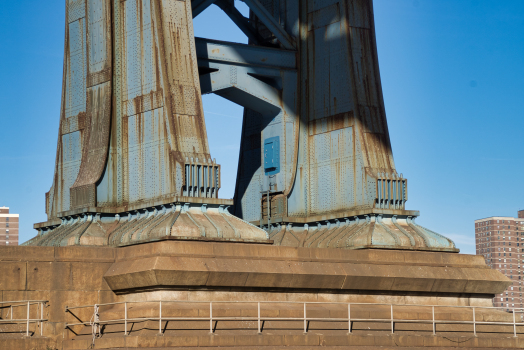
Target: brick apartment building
{"type": "Point", "coordinates": [8, 227]}
{"type": "Point", "coordinates": [500, 240]}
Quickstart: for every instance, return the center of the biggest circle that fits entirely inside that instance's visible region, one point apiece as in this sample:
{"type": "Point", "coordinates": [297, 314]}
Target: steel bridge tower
{"type": "Point", "coordinates": [316, 167]}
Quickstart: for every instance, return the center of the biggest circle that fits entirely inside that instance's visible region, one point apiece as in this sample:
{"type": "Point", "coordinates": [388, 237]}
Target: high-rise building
{"type": "Point", "coordinates": [8, 227]}
{"type": "Point", "coordinates": [500, 240]}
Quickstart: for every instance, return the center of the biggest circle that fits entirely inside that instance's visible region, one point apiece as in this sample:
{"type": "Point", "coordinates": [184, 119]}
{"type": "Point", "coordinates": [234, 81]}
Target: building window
{"type": "Point", "coordinates": [6, 219]}
{"type": "Point", "coordinates": [6, 224]}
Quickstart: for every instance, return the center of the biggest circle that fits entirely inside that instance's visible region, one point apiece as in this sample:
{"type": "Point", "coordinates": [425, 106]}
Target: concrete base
{"type": "Point", "coordinates": [211, 271]}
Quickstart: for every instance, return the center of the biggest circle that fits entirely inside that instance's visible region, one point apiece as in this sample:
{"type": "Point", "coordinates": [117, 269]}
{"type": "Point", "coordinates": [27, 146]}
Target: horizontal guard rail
{"type": "Point", "coordinates": [25, 303]}
{"type": "Point", "coordinates": [304, 319]}
{"type": "Point", "coordinates": [31, 320]}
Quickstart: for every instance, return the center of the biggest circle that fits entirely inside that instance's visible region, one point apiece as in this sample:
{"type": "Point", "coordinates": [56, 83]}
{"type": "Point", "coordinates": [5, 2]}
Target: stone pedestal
{"type": "Point", "coordinates": [196, 265]}
{"type": "Point", "coordinates": [187, 275]}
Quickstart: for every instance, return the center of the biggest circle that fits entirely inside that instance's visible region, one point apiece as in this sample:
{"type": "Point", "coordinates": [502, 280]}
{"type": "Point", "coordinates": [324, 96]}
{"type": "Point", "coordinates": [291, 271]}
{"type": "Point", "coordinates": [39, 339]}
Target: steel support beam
{"type": "Point", "coordinates": [237, 84]}
{"type": "Point", "coordinates": [242, 54]}
{"type": "Point", "coordinates": [248, 75]}
{"type": "Point", "coordinates": [271, 23]}
{"type": "Point", "coordinates": [242, 22]}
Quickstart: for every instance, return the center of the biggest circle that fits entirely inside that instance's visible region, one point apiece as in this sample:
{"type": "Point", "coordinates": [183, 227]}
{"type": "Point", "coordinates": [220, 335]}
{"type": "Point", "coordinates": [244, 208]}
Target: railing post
{"type": "Point", "coordinates": [514, 325]}
{"type": "Point", "coordinates": [259, 318]}
{"type": "Point", "coordinates": [125, 318]}
{"type": "Point", "coordinates": [27, 320]}
{"type": "Point", "coordinates": [41, 318]}
{"type": "Point", "coordinates": [392, 324]}
{"type": "Point", "coordinates": [160, 319]}
{"type": "Point", "coordinates": [211, 317]}
{"type": "Point", "coordinates": [11, 311]}
{"type": "Point", "coordinates": [305, 322]}
{"type": "Point", "coordinates": [474, 324]}
{"type": "Point", "coordinates": [96, 321]}
{"type": "Point", "coordinates": [349, 318]}
{"type": "Point", "coordinates": [433, 316]}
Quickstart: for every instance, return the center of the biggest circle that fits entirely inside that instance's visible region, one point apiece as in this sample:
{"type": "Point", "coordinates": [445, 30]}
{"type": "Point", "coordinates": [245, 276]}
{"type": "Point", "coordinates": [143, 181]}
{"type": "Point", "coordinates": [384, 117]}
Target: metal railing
{"type": "Point", "coordinates": [392, 320]}
{"type": "Point", "coordinates": [10, 305]}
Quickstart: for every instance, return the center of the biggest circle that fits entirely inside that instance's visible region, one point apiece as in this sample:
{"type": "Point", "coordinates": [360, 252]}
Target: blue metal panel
{"type": "Point", "coordinates": [147, 151]}
{"type": "Point", "coordinates": [75, 98]}
{"type": "Point", "coordinates": [71, 155]}
{"type": "Point", "coordinates": [133, 47]}
{"type": "Point", "coordinates": [330, 93]}
{"type": "Point", "coordinates": [341, 99]}
{"type": "Point", "coordinates": [314, 5]}
{"type": "Point", "coordinates": [76, 9]}
{"type": "Point", "coordinates": [139, 59]}
{"type": "Point", "coordinates": [97, 35]}
{"type": "Point", "coordinates": [272, 155]}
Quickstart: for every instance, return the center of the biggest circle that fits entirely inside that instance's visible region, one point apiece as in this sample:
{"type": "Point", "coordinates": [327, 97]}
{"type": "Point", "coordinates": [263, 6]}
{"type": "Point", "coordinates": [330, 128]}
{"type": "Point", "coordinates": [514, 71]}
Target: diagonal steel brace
{"type": "Point", "coordinates": [271, 23]}
{"type": "Point", "coordinates": [198, 6]}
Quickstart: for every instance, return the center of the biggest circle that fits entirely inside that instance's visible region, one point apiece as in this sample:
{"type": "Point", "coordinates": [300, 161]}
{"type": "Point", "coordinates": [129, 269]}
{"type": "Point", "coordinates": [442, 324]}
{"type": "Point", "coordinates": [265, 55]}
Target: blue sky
{"type": "Point", "coordinates": [453, 80]}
